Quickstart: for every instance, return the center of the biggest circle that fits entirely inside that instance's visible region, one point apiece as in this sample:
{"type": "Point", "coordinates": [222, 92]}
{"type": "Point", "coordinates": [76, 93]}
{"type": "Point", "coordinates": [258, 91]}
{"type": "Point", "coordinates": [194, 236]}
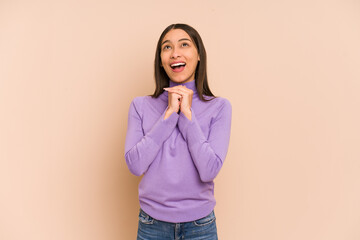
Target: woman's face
{"type": "Point", "coordinates": [179, 56]}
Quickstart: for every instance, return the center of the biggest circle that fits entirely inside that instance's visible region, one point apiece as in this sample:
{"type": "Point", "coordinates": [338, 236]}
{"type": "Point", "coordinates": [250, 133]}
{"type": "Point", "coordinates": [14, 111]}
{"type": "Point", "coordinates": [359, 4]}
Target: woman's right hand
{"type": "Point", "coordinates": [174, 101]}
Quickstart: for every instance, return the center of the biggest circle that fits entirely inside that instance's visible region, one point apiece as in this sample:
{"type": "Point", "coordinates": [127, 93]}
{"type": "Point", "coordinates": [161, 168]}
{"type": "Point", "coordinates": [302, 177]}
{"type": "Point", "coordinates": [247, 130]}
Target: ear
{"type": "Point", "coordinates": [198, 57]}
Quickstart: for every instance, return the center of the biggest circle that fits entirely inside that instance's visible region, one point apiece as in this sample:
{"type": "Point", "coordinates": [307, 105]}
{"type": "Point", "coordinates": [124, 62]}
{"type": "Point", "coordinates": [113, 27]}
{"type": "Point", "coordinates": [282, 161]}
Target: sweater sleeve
{"type": "Point", "coordinates": [141, 149]}
{"type": "Point", "coordinates": [209, 153]}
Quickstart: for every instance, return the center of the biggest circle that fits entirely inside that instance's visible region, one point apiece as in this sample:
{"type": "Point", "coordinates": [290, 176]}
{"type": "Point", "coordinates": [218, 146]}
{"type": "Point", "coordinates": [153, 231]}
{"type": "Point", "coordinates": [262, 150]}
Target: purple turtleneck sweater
{"type": "Point", "coordinates": [178, 157]}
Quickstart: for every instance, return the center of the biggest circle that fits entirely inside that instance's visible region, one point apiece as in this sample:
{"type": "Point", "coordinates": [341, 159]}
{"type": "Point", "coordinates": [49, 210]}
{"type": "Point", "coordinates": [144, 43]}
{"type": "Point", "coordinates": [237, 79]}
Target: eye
{"type": "Point", "coordinates": [184, 44]}
{"type": "Point", "coordinates": [166, 47]}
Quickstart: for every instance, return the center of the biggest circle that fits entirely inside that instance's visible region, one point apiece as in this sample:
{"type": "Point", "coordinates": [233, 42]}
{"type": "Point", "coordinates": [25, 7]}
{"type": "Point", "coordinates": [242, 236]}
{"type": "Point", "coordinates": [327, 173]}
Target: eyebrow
{"type": "Point", "coordinates": [183, 39]}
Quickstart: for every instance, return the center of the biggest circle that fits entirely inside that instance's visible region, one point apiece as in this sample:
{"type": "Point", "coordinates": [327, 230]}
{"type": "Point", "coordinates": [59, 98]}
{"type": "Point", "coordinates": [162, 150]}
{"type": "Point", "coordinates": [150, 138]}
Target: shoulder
{"type": "Point", "coordinates": [225, 109]}
{"type": "Point", "coordinates": [219, 103]}
{"type": "Point", "coordinates": [138, 102]}
{"type": "Point", "coordinates": [222, 108]}
{"type": "Point", "coordinates": [224, 102]}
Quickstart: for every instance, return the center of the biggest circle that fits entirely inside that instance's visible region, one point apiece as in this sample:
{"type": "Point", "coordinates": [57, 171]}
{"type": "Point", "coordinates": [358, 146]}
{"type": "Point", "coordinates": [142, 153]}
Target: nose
{"type": "Point", "coordinates": [175, 53]}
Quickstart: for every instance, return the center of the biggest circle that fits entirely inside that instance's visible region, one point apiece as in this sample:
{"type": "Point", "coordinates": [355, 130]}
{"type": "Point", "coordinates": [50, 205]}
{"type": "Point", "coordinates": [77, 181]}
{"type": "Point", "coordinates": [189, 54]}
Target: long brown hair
{"type": "Point", "coordinates": [162, 79]}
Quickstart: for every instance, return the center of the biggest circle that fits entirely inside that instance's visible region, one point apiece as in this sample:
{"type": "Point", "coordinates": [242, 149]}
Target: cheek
{"type": "Point", "coordinates": [194, 58]}
{"type": "Point", "coordinates": [194, 62]}
{"type": "Point", "coordinates": [163, 62]}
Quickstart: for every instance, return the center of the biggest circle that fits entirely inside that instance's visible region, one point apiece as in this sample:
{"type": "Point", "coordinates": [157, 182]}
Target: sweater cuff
{"type": "Point", "coordinates": [163, 128]}
{"type": "Point", "coordinates": [190, 129]}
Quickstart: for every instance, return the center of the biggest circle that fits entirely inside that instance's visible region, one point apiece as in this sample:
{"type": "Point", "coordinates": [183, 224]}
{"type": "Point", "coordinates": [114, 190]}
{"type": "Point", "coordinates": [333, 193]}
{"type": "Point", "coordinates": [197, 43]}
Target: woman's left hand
{"type": "Point", "coordinates": [186, 98]}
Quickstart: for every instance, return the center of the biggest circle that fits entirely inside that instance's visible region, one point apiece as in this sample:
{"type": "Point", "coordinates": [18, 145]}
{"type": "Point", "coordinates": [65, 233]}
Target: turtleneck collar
{"type": "Point", "coordinates": [191, 85]}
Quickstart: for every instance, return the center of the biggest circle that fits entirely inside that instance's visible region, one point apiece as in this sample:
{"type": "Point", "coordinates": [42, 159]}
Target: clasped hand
{"type": "Point", "coordinates": [179, 98]}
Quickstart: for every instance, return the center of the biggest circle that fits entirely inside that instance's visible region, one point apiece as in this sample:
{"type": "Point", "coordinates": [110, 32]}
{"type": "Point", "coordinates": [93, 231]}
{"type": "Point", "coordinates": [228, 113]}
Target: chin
{"type": "Point", "coordinates": [179, 80]}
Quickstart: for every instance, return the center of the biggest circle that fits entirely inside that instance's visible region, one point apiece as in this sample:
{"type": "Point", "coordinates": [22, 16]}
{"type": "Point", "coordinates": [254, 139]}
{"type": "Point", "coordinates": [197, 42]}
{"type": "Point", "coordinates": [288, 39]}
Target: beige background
{"type": "Point", "coordinates": [69, 70]}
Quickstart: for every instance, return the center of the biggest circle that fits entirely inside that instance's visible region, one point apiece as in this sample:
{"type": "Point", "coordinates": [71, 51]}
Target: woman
{"type": "Point", "coordinates": [178, 139]}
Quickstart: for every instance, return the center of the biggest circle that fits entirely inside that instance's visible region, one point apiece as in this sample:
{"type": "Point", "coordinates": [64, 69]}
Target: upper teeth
{"type": "Point", "coordinates": [177, 64]}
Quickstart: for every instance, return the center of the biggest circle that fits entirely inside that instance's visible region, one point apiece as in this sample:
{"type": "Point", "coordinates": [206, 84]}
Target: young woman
{"type": "Point", "coordinates": [178, 139]}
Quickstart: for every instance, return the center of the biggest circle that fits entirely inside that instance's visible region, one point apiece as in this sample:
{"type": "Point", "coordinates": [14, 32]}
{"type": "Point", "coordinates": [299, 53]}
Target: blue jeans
{"type": "Point", "coordinates": [152, 229]}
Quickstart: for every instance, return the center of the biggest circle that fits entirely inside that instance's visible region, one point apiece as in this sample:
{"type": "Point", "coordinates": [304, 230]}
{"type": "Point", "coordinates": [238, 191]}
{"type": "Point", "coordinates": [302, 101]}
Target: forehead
{"type": "Point", "coordinates": [176, 34]}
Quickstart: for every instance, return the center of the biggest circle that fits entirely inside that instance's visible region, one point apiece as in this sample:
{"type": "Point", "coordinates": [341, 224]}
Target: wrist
{"type": "Point", "coordinates": [170, 109]}
{"type": "Point", "coordinates": [168, 112]}
{"type": "Point", "coordinates": [186, 110]}
{"type": "Point", "coordinates": [187, 113]}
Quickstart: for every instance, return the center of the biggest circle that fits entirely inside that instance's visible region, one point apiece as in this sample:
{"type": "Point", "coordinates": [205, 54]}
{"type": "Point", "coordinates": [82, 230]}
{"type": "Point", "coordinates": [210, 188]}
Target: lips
{"type": "Point", "coordinates": [177, 66]}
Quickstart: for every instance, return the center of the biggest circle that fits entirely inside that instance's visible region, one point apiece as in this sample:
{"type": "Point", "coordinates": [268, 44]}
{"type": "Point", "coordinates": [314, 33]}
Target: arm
{"type": "Point", "coordinates": [141, 149]}
{"type": "Point", "coordinates": [209, 153]}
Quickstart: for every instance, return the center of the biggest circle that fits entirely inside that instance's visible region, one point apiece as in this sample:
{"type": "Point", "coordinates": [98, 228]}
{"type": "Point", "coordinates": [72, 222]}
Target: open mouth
{"type": "Point", "coordinates": [178, 67]}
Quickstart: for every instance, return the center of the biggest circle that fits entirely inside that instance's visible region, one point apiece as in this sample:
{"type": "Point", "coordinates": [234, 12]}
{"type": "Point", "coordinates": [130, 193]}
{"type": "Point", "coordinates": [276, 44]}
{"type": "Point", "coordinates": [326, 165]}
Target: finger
{"type": "Point", "coordinates": [177, 96]}
{"type": "Point", "coordinates": [174, 93]}
{"type": "Point", "coordinates": [183, 88]}
{"type": "Point", "coordinates": [178, 91]}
